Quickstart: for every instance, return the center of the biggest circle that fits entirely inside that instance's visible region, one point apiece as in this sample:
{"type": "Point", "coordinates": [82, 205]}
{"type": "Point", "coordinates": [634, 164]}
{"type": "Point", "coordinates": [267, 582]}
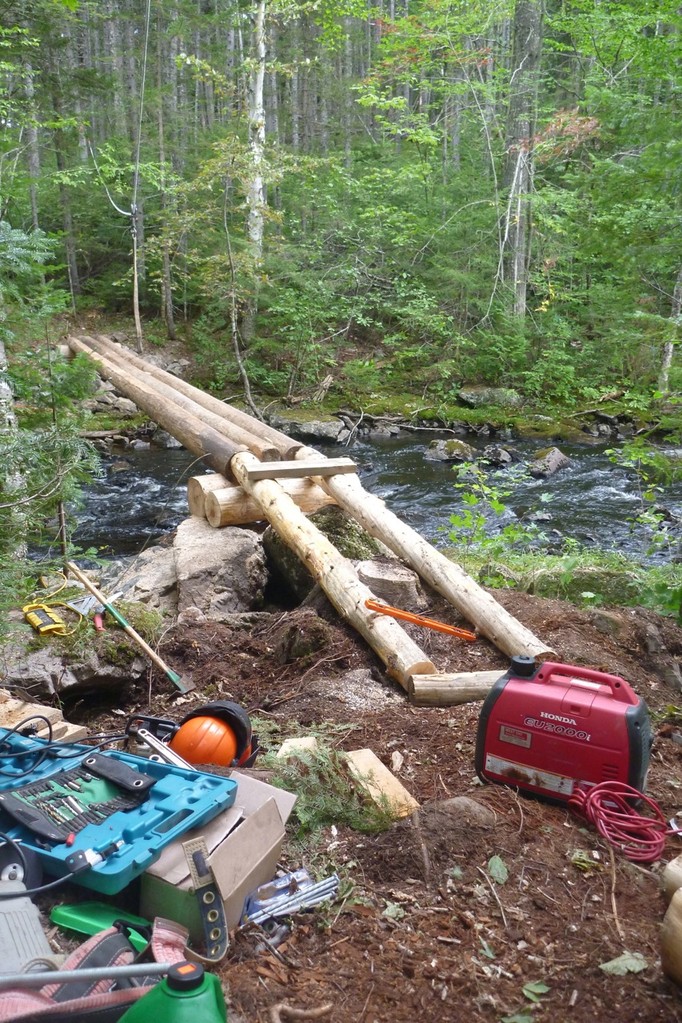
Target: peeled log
{"type": "Point", "coordinates": [451, 690]}
{"type": "Point", "coordinates": [198, 489]}
{"type": "Point", "coordinates": [197, 437]}
{"type": "Point", "coordinates": [335, 574]}
{"type": "Point", "coordinates": [236, 434]}
{"type": "Point", "coordinates": [489, 617]}
{"type": "Point", "coordinates": [231, 506]}
{"type": "Point", "coordinates": [286, 447]}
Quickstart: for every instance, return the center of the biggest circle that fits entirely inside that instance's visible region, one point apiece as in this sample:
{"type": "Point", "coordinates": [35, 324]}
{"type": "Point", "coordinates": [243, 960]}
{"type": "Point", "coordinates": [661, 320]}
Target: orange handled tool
{"type": "Point", "coordinates": [428, 623]}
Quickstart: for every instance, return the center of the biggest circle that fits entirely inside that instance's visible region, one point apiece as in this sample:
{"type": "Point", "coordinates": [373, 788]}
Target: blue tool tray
{"type": "Point", "coordinates": [177, 800]}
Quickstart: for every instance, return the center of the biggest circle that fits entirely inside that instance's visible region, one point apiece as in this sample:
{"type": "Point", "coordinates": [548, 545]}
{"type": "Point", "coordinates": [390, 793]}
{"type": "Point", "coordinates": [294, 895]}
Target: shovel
{"type": "Point", "coordinates": [184, 687]}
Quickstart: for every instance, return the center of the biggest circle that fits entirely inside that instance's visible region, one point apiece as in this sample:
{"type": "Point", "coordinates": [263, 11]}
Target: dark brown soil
{"type": "Point", "coordinates": [422, 931]}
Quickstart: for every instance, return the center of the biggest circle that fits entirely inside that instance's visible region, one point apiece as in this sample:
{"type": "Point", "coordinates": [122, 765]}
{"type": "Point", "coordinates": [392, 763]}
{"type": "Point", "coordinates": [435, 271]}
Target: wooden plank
{"type": "Point", "coordinates": [68, 732]}
{"type": "Point", "coordinates": [13, 712]}
{"type": "Point", "coordinates": [294, 469]}
{"type": "Point", "coordinates": [381, 786]}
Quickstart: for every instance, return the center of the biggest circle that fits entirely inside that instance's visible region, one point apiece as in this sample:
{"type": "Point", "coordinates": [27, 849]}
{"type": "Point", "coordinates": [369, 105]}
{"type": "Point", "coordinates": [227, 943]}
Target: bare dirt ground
{"type": "Point", "coordinates": [423, 932]}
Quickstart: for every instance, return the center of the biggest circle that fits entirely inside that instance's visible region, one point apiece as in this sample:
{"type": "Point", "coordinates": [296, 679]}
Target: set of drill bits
{"type": "Point", "coordinates": [60, 806]}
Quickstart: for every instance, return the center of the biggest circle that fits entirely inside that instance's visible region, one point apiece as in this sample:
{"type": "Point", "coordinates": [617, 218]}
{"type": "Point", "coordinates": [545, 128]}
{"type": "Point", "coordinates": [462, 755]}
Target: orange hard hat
{"type": "Point", "coordinates": [205, 740]}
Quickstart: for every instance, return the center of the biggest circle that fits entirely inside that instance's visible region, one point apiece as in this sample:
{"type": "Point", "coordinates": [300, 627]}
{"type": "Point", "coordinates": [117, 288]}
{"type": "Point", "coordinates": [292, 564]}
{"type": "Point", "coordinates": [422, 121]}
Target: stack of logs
{"type": "Point", "coordinates": [223, 503]}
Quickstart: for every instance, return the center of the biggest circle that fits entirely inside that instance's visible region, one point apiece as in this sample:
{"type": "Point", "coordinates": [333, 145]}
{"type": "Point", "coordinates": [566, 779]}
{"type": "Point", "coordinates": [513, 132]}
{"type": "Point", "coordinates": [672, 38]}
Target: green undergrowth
{"type": "Point", "coordinates": [582, 577]}
{"type": "Point", "coordinates": [326, 794]}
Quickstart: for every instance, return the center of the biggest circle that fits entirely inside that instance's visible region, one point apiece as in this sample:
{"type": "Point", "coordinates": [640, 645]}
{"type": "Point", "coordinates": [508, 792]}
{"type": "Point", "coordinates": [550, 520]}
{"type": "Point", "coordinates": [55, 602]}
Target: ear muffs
{"type": "Point", "coordinates": [221, 729]}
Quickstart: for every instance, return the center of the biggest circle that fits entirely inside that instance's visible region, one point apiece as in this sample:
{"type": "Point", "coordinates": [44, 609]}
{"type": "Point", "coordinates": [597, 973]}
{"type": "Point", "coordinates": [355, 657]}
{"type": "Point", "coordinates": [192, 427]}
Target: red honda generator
{"type": "Point", "coordinates": [550, 730]}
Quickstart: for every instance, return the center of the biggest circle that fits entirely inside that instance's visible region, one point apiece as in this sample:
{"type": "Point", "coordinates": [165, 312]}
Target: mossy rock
{"type": "Point", "coordinates": [490, 397]}
{"type": "Point", "coordinates": [585, 585]}
{"type": "Point", "coordinates": [546, 428]}
{"type": "Point", "coordinates": [347, 536]}
{"type": "Point", "coordinates": [451, 450]}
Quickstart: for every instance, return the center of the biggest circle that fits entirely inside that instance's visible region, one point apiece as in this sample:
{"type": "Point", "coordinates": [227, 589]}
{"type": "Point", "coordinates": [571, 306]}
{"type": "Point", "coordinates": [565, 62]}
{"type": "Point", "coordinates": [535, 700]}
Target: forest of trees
{"type": "Point", "coordinates": [434, 191]}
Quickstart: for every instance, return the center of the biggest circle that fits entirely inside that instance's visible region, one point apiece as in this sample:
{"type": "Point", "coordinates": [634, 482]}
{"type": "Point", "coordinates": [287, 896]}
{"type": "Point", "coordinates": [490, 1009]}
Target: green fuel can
{"type": "Point", "coordinates": [186, 995]}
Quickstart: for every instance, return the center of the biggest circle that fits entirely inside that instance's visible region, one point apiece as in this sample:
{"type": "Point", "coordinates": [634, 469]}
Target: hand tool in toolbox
{"type": "Point", "coordinates": [554, 729]}
{"type": "Point", "coordinates": [184, 687]}
{"type": "Point", "coordinates": [57, 807]}
{"type": "Point", "coordinates": [103, 817]}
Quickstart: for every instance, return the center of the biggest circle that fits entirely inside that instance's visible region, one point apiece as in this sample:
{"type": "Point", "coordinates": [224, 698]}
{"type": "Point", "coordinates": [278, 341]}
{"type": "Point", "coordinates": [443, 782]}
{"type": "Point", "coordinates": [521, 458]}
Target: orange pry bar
{"type": "Point", "coordinates": [427, 623]}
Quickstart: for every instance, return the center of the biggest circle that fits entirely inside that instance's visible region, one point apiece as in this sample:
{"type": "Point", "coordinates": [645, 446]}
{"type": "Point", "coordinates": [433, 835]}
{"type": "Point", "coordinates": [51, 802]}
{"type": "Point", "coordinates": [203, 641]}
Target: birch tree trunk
{"type": "Point", "coordinates": [64, 191]}
{"type": "Point", "coordinates": [527, 47]}
{"type": "Point", "coordinates": [669, 348]}
{"type": "Point", "coordinates": [255, 195]}
{"type": "Point", "coordinates": [166, 282]}
{"type": "Point", "coordinates": [12, 485]}
{"type": "Point", "coordinates": [32, 145]}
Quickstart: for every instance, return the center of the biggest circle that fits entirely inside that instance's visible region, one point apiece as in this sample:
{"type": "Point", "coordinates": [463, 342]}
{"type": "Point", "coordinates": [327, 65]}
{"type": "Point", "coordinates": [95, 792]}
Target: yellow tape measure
{"type": "Point", "coordinates": [44, 620]}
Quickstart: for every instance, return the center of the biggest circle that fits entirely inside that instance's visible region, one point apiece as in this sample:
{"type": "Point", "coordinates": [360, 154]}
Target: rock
{"type": "Point", "coordinates": [314, 429]}
{"type": "Point", "coordinates": [547, 462]}
{"type": "Point", "coordinates": [151, 579]}
{"type": "Point", "coordinates": [450, 451]}
{"type": "Point", "coordinates": [539, 427]}
{"type": "Point", "coordinates": [359, 690]}
{"type": "Point", "coordinates": [482, 397]}
{"type": "Point", "coordinates": [47, 672]}
{"type": "Point", "coordinates": [393, 583]}
{"type": "Point", "coordinates": [606, 623]}
{"type": "Point", "coordinates": [163, 439]}
{"type": "Point", "coordinates": [671, 673]}
{"type": "Point", "coordinates": [109, 401]}
{"type": "Point", "coordinates": [219, 571]}
{"type": "Point", "coordinates": [342, 530]}
{"type": "Point", "coordinates": [178, 367]}
{"type": "Point", "coordinates": [191, 616]}
{"type": "Point", "coordinates": [611, 586]}
{"type": "Point", "coordinates": [468, 812]}
{"type": "Point", "coordinates": [382, 432]}
{"type": "Point", "coordinates": [654, 640]}
{"type": "Point", "coordinates": [497, 455]}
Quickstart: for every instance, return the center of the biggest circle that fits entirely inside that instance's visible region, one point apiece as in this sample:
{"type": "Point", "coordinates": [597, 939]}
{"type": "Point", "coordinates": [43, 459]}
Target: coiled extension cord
{"type": "Point", "coordinates": [610, 807]}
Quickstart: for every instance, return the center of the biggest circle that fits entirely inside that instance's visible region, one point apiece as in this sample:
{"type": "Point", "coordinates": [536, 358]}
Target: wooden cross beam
{"type": "Point", "coordinates": [298, 468]}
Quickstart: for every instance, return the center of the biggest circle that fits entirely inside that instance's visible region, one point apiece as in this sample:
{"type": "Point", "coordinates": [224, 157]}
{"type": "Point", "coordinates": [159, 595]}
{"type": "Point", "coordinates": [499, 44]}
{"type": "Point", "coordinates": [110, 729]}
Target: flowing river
{"type": "Point", "coordinates": [141, 496]}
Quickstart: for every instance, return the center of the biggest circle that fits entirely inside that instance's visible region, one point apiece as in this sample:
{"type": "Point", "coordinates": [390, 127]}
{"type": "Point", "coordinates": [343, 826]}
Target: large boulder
{"type": "Point", "coordinates": [216, 572]}
{"type": "Point", "coordinates": [308, 428]}
{"type": "Point", "coordinates": [150, 578]}
{"type": "Point", "coordinates": [219, 571]}
{"type": "Point", "coordinates": [451, 450]}
{"type": "Point", "coordinates": [47, 671]}
{"type": "Point", "coordinates": [547, 462]}
{"type": "Point", "coordinates": [486, 397]}
{"type": "Point", "coordinates": [349, 538]}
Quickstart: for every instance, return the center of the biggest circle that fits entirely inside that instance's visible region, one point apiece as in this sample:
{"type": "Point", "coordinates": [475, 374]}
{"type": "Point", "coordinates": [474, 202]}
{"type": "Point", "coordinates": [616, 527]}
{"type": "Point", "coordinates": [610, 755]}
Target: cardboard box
{"type": "Point", "coordinates": [244, 845]}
